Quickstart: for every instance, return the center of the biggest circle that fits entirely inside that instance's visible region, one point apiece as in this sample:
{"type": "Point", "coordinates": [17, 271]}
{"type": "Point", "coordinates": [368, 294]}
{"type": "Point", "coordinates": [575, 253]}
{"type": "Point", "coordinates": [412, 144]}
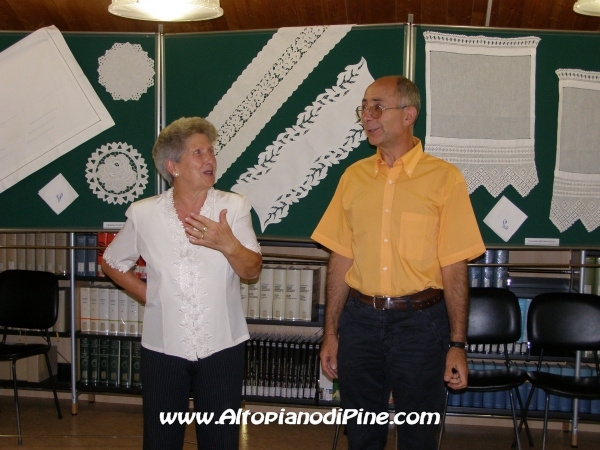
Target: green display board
{"type": "Point", "coordinates": [555, 50]}
{"type": "Point", "coordinates": [200, 69]}
{"type": "Point", "coordinates": [22, 207]}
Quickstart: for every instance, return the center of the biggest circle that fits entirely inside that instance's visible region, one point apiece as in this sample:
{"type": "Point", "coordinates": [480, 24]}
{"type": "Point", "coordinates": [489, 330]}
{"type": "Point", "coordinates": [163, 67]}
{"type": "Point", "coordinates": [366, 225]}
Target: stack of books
{"type": "Point", "coordinates": [282, 293]}
{"type": "Point", "coordinates": [108, 310]}
{"type": "Point", "coordinates": [282, 365]}
{"type": "Point", "coordinates": [109, 362]}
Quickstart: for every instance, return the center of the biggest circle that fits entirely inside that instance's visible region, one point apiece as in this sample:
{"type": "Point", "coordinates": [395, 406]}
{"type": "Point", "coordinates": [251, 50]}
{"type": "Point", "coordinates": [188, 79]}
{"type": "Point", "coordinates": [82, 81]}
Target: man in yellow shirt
{"type": "Point", "coordinates": [401, 229]}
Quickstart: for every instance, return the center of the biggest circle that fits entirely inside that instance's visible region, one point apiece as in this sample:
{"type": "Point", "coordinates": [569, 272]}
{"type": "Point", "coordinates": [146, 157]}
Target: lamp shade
{"type": "Point", "coordinates": [166, 10]}
{"type": "Point", "coordinates": [587, 7]}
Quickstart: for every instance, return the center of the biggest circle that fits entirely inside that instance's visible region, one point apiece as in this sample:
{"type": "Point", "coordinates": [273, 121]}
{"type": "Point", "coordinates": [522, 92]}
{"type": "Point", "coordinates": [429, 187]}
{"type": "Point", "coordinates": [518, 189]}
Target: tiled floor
{"type": "Point", "coordinates": [101, 426]}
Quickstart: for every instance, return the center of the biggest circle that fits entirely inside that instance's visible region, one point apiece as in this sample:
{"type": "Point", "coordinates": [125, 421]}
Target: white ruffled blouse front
{"type": "Point", "coordinates": [193, 303]}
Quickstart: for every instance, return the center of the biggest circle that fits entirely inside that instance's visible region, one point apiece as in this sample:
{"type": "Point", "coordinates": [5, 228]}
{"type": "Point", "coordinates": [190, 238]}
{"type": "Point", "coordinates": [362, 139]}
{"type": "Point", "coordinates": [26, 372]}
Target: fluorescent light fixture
{"type": "Point", "coordinates": [587, 7]}
{"type": "Point", "coordinates": [166, 10]}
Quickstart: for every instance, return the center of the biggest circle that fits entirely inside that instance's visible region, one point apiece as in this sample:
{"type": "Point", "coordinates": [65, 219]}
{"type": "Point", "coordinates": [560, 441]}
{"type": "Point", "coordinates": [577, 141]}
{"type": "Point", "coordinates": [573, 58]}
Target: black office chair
{"type": "Point", "coordinates": [28, 299]}
{"type": "Point", "coordinates": [495, 318]}
{"type": "Point", "coordinates": [567, 321]}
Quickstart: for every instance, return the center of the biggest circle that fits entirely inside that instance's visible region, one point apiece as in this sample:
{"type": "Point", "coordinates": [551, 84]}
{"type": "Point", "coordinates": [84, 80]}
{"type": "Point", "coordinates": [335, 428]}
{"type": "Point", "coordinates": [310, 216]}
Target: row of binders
{"type": "Point", "coordinates": [44, 252]}
{"type": "Point", "coordinates": [109, 362]}
{"type": "Point", "coordinates": [106, 310]}
{"type": "Point", "coordinates": [282, 293]}
{"type": "Point", "coordinates": [490, 276]}
{"type": "Point", "coordinates": [500, 399]}
{"type": "Point", "coordinates": [282, 365]}
{"type": "Point", "coordinates": [89, 249]}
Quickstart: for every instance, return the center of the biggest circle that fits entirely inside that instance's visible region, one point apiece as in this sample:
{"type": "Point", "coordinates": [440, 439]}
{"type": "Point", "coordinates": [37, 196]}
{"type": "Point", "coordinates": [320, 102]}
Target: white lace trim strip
{"type": "Point", "coordinates": [300, 156]}
{"type": "Point", "coordinates": [115, 263]}
{"type": "Point", "coordinates": [492, 146]}
{"type": "Point", "coordinates": [576, 190]}
{"type": "Point", "coordinates": [274, 74]}
{"type": "Point", "coordinates": [190, 259]}
{"type": "Point", "coordinates": [512, 167]}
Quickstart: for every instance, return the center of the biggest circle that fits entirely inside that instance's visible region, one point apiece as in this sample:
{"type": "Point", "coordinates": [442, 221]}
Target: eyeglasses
{"type": "Point", "coordinates": [375, 111]}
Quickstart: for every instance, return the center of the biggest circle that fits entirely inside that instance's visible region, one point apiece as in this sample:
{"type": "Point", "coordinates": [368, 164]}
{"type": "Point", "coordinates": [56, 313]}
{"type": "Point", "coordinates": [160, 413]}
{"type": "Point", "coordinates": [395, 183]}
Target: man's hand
{"type": "Point", "coordinates": [329, 349]}
{"type": "Point", "coordinates": [457, 373]}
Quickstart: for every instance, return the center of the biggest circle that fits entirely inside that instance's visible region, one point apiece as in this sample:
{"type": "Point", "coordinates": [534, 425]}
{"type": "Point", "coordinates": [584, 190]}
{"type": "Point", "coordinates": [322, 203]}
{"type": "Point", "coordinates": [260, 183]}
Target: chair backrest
{"type": "Point", "coordinates": [566, 320]}
{"type": "Point", "coordinates": [28, 299]}
{"type": "Point", "coordinates": [494, 316]}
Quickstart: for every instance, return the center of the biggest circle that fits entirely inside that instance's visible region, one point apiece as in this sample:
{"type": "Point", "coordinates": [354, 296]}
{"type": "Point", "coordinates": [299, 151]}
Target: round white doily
{"type": "Point", "coordinates": [117, 173]}
{"type": "Point", "coordinates": [126, 71]}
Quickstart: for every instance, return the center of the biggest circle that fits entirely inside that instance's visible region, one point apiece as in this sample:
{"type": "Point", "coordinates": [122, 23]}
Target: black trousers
{"type": "Point", "coordinates": [215, 384]}
{"type": "Point", "coordinates": [404, 351]}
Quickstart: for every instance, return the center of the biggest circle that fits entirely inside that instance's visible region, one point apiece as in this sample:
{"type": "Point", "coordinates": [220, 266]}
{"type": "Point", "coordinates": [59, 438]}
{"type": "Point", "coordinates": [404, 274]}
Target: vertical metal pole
{"type": "Point", "coordinates": [488, 14]}
{"type": "Point", "coordinates": [578, 360]}
{"type": "Point", "coordinates": [160, 96]}
{"type": "Point", "coordinates": [73, 295]}
{"type": "Point", "coordinates": [409, 49]}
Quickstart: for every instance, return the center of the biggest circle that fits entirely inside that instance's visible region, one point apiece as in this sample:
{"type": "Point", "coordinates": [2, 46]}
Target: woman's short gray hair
{"type": "Point", "coordinates": [171, 141]}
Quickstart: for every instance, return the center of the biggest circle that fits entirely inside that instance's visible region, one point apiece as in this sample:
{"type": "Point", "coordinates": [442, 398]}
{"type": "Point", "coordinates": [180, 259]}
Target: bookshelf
{"type": "Point", "coordinates": [562, 269]}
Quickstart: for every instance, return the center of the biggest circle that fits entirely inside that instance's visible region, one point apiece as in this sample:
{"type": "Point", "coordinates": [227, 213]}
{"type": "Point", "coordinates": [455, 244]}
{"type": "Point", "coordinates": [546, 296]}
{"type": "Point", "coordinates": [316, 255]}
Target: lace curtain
{"type": "Point", "coordinates": [576, 190]}
{"type": "Point", "coordinates": [481, 108]}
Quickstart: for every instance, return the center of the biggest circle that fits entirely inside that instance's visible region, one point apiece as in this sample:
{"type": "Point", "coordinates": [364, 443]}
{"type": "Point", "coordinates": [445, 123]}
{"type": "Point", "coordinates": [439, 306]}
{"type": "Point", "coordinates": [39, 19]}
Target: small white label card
{"type": "Point", "coordinates": [505, 218]}
{"type": "Point", "coordinates": [59, 194]}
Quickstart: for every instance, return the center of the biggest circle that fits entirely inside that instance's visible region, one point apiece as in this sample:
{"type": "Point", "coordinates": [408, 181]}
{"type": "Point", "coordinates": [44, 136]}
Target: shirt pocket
{"type": "Point", "coordinates": [418, 236]}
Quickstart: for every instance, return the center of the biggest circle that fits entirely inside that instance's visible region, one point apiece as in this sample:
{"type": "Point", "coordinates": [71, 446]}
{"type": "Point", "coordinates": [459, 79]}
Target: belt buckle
{"type": "Point", "coordinates": [375, 298]}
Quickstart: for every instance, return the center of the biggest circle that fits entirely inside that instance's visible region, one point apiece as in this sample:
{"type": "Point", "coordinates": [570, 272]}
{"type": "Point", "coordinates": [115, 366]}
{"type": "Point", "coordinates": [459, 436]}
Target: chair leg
{"type": "Point", "coordinates": [514, 415]}
{"type": "Point", "coordinates": [53, 385]}
{"type": "Point", "coordinates": [335, 437]}
{"type": "Point", "coordinates": [443, 422]}
{"type": "Point", "coordinates": [524, 414]}
{"type": "Point", "coordinates": [524, 418]}
{"type": "Point", "coordinates": [545, 421]}
{"type": "Point", "coordinates": [16, 394]}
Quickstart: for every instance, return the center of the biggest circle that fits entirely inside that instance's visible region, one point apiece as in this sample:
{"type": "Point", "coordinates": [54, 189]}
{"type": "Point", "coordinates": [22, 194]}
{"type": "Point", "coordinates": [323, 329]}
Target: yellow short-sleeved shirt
{"type": "Point", "coordinates": [400, 225]}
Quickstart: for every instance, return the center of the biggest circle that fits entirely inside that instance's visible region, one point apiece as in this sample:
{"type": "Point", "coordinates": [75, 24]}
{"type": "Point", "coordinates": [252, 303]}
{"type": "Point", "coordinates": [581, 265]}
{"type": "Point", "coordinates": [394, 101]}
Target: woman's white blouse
{"type": "Point", "coordinates": [193, 302]}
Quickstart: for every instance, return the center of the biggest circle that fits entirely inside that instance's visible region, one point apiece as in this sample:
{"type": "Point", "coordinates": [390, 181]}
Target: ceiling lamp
{"type": "Point", "coordinates": [587, 7]}
{"type": "Point", "coordinates": [166, 10]}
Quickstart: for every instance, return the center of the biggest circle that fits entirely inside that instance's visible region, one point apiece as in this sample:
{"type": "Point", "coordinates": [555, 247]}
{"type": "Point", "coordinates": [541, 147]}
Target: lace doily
{"type": "Point", "coordinates": [126, 71]}
{"type": "Point", "coordinates": [268, 81]}
{"type": "Point", "coordinates": [117, 173]}
{"type": "Point", "coordinates": [576, 190]}
{"type": "Point", "coordinates": [300, 156]}
{"type": "Point", "coordinates": [492, 146]}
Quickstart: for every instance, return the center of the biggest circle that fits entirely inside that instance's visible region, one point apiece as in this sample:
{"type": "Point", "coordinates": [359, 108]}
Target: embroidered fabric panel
{"type": "Point", "coordinates": [576, 189]}
{"type": "Point", "coordinates": [481, 108]}
{"type": "Point", "coordinates": [268, 81]}
{"type": "Point", "coordinates": [300, 156]}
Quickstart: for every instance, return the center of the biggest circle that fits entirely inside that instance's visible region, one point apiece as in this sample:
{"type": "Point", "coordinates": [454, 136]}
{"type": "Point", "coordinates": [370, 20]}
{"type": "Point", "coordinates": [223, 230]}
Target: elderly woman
{"type": "Point", "coordinates": [197, 243]}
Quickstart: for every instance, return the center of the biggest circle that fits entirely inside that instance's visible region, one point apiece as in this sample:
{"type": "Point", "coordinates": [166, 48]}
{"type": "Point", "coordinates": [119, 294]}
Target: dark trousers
{"type": "Point", "coordinates": [216, 385]}
{"type": "Point", "coordinates": [404, 351]}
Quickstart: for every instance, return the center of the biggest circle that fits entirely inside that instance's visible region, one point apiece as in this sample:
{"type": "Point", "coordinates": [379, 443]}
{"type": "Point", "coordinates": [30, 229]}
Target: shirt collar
{"type": "Point", "coordinates": [409, 160]}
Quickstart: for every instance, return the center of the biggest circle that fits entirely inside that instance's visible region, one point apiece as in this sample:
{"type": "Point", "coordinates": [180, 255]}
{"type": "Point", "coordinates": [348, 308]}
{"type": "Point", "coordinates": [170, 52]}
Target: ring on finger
{"type": "Point", "coordinates": [205, 229]}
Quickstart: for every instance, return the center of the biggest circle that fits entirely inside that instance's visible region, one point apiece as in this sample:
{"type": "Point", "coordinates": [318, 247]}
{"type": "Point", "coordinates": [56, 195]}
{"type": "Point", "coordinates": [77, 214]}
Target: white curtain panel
{"type": "Point", "coordinates": [576, 191]}
{"type": "Point", "coordinates": [264, 86]}
{"type": "Point", "coordinates": [481, 108]}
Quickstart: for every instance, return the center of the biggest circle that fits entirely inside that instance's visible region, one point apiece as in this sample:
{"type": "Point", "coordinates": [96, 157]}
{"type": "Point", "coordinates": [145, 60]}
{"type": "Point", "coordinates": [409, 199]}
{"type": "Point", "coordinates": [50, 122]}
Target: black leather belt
{"type": "Point", "coordinates": [418, 300]}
